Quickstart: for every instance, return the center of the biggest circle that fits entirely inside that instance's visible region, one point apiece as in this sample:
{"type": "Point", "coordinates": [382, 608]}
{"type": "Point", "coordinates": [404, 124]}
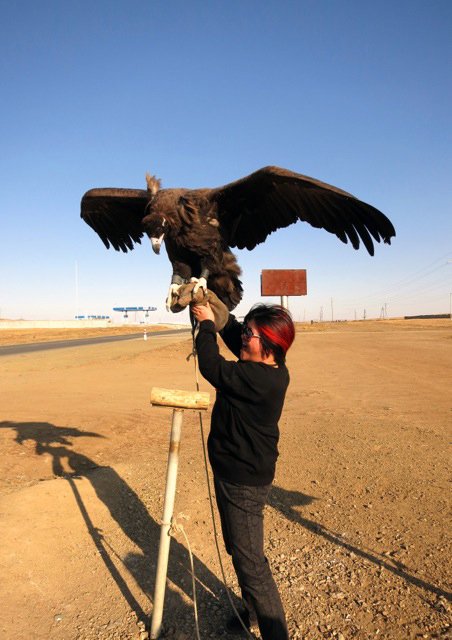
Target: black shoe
{"type": "Point", "coordinates": [234, 626]}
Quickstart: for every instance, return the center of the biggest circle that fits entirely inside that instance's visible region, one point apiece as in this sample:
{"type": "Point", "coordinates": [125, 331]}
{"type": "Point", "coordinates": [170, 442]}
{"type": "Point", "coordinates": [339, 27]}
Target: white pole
{"type": "Point", "coordinates": [76, 288]}
{"type": "Point", "coordinates": [285, 302]}
{"type": "Point", "coordinates": [165, 538]}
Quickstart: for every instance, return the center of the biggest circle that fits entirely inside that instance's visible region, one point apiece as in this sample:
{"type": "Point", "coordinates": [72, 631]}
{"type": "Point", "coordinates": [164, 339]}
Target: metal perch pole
{"type": "Point", "coordinates": [178, 400]}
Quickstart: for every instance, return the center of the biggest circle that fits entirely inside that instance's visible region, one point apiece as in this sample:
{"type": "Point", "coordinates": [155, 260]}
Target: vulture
{"type": "Point", "coordinates": [200, 226]}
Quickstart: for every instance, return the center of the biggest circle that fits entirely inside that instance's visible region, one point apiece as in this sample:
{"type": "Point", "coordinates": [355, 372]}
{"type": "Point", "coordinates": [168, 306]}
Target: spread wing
{"type": "Point", "coordinates": [271, 198]}
{"type": "Point", "coordinates": [115, 215]}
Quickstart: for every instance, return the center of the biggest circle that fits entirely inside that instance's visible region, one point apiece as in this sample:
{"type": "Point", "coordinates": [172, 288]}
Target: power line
{"type": "Point", "coordinates": [407, 280]}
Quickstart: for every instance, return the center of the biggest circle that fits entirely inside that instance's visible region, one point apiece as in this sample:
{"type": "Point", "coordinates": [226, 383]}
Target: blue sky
{"type": "Point", "coordinates": [355, 93]}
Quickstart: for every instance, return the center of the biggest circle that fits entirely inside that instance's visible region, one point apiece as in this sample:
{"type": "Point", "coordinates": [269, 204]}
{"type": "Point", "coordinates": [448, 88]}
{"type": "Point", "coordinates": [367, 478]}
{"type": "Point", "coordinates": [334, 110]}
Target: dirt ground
{"type": "Point", "coordinates": [358, 523]}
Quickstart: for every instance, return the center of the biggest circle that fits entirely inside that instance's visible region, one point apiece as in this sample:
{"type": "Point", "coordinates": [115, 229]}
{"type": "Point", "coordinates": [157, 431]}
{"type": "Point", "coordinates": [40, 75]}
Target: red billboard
{"type": "Point", "coordinates": [283, 282]}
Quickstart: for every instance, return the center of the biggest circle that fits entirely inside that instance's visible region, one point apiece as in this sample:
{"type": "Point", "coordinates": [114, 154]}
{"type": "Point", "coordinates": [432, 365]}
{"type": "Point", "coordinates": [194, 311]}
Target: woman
{"type": "Point", "coordinates": [243, 446]}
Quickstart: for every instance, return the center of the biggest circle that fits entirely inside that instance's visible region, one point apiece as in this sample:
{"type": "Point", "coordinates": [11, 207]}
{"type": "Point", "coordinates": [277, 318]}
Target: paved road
{"type": "Point", "coordinates": [15, 349]}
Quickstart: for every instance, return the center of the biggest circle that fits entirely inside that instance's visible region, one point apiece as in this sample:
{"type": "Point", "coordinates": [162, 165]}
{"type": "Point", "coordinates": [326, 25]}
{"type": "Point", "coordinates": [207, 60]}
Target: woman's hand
{"type": "Point", "coordinates": [203, 312]}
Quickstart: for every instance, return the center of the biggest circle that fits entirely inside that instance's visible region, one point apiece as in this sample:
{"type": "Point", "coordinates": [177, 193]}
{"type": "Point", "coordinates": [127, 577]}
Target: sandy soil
{"type": "Point", "coordinates": [358, 523]}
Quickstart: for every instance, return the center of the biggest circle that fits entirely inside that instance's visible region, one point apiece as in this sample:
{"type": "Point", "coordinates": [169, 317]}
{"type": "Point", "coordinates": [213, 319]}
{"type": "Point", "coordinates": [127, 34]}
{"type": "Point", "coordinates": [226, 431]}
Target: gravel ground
{"type": "Point", "coordinates": [356, 527]}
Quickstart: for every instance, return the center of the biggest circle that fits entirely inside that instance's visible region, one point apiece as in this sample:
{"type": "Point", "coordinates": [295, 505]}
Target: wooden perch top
{"type": "Point", "coordinates": [180, 399]}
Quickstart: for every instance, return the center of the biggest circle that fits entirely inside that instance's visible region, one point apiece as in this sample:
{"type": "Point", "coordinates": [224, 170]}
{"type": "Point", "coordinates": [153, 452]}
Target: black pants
{"type": "Point", "coordinates": [242, 522]}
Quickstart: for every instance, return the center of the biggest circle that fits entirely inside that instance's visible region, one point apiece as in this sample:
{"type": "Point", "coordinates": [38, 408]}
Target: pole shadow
{"type": "Point", "coordinates": [286, 502]}
{"type": "Point", "coordinates": [131, 515]}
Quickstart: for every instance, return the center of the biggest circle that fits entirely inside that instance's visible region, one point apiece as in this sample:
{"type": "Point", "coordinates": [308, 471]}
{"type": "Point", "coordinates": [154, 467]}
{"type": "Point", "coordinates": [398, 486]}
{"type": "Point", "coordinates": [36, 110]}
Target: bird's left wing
{"type": "Point", "coordinates": [116, 215]}
{"type": "Point", "coordinates": [271, 198]}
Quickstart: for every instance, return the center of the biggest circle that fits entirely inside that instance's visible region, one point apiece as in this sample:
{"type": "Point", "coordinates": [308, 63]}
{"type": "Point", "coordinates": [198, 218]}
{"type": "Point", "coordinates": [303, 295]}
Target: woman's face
{"type": "Point", "coordinates": [251, 344]}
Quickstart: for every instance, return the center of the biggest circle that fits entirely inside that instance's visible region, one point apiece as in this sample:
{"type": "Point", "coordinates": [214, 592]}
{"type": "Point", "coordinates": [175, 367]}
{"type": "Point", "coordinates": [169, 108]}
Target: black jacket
{"type": "Point", "coordinates": [243, 440]}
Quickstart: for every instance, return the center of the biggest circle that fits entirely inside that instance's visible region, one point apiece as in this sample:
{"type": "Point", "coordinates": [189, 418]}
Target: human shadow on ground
{"type": "Point", "coordinates": [127, 509]}
{"type": "Point", "coordinates": [286, 502]}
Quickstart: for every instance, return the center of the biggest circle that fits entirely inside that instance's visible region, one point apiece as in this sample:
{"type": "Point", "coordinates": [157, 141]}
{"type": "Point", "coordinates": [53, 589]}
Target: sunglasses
{"type": "Point", "coordinates": [247, 333]}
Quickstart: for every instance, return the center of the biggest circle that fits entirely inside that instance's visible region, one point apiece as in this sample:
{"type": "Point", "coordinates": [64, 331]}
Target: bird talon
{"type": "Point", "coordinates": [172, 296]}
{"type": "Point", "coordinates": [201, 283]}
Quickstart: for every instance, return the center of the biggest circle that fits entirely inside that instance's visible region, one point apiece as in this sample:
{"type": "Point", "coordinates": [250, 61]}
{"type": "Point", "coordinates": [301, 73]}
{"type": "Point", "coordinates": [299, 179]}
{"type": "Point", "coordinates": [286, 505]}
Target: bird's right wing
{"type": "Point", "coordinates": [116, 215]}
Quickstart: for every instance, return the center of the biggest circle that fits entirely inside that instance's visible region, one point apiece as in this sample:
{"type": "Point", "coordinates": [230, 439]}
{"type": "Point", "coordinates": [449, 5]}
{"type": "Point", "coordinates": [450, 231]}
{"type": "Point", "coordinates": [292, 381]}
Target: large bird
{"type": "Point", "coordinates": [199, 226]}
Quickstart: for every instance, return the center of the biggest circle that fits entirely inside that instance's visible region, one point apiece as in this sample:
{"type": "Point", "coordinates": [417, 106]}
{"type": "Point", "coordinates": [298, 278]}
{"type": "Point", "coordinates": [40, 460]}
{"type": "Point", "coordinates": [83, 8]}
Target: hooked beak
{"type": "Point", "coordinates": [156, 243]}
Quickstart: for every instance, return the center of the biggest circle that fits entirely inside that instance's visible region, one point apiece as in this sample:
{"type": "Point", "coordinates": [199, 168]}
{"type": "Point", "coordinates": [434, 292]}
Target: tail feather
{"type": "Point", "coordinates": [226, 283]}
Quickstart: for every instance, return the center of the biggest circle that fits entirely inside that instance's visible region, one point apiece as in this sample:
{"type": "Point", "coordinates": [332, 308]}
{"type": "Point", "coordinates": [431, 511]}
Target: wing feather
{"type": "Point", "coordinates": [116, 215]}
{"type": "Point", "coordinates": [272, 198]}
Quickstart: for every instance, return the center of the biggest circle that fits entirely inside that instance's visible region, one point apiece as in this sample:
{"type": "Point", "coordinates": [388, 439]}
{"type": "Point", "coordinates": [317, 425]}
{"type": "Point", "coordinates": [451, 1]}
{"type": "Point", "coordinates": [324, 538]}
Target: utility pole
{"type": "Point", "coordinates": [450, 295]}
{"type": "Point", "coordinates": [76, 288]}
{"type": "Point", "coordinates": [332, 312]}
{"type": "Point", "coordinates": [321, 314]}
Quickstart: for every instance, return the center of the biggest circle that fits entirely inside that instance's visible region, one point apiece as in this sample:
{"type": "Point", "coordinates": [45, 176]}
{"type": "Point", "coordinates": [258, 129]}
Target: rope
{"type": "Point", "coordinates": [176, 526]}
{"type": "Point", "coordinates": [209, 490]}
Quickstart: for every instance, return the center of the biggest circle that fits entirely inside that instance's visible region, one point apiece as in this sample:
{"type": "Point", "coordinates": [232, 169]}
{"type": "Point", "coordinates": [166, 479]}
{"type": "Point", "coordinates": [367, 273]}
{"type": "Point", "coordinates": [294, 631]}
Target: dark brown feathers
{"type": "Point", "coordinates": [201, 224]}
{"type": "Point", "coordinates": [272, 198]}
{"type": "Point", "coordinates": [115, 215]}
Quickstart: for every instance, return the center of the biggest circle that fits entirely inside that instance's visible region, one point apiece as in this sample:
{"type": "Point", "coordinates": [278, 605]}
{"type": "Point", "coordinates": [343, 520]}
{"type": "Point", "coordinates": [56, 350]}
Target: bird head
{"type": "Point", "coordinates": [155, 225]}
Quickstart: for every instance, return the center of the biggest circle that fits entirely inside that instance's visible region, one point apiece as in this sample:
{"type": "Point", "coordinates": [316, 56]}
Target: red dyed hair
{"type": "Point", "coordinates": [276, 328]}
